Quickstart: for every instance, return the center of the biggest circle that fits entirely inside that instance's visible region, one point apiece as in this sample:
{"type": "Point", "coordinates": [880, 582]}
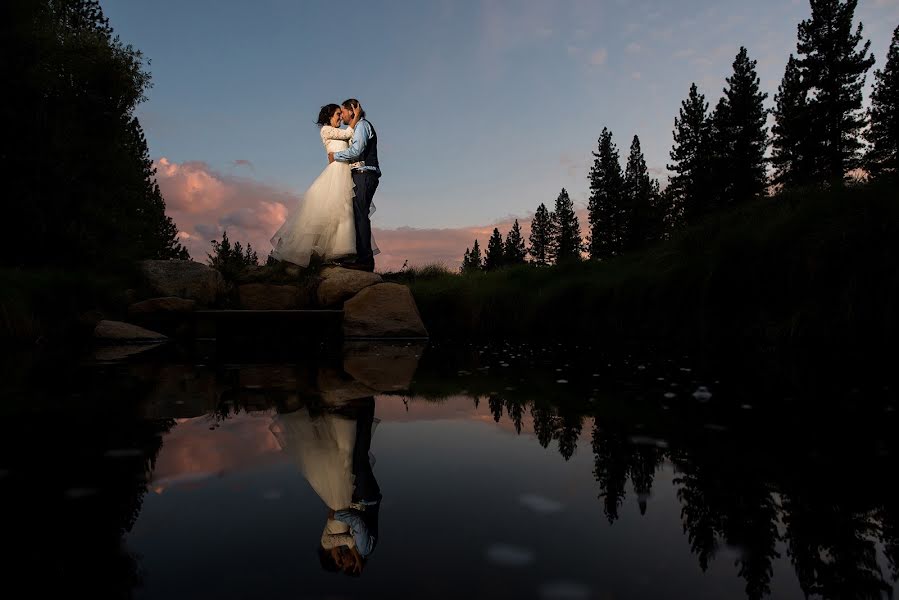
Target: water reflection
{"type": "Point", "coordinates": [777, 500]}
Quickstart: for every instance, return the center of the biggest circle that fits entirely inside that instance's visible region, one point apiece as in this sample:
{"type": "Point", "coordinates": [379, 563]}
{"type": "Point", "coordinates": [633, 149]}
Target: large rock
{"type": "Point", "coordinates": [118, 332]}
{"type": "Point", "coordinates": [184, 279]}
{"type": "Point", "coordinates": [384, 310]}
{"type": "Point", "coordinates": [340, 284]}
{"type": "Point", "coordinates": [170, 305]}
{"type": "Point", "coordinates": [262, 296]}
{"type": "Point", "coordinates": [383, 366]}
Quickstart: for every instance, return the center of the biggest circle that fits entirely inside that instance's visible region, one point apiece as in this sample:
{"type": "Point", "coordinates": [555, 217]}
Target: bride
{"type": "Point", "coordinates": [322, 222]}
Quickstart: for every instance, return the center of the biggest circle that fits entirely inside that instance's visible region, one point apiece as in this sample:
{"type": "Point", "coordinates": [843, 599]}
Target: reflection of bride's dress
{"type": "Point", "coordinates": [322, 222]}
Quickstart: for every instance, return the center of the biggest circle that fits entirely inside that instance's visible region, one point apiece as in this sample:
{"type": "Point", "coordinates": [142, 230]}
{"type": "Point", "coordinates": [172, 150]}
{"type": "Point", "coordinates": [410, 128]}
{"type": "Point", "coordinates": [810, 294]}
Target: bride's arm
{"type": "Point", "coordinates": [334, 133]}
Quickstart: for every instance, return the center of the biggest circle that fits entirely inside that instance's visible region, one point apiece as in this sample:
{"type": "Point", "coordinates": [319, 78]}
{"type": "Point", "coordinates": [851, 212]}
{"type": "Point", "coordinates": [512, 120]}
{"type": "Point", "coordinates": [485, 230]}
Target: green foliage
{"type": "Point", "coordinates": [605, 207]}
{"type": "Point", "coordinates": [542, 236]}
{"type": "Point", "coordinates": [882, 160]}
{"type": "Point", "coordinates": [567, 243]}
{"type": "Point", "coordinates": [74, 156]}
{"type": "Point", "coordinates": [834, 70]}
{"type": "Point", "coordinates": [495, 258]}
{"type": "Point", "coordinates": [514, 252]}
{"type": "Point", "coordinates": [231, 260]}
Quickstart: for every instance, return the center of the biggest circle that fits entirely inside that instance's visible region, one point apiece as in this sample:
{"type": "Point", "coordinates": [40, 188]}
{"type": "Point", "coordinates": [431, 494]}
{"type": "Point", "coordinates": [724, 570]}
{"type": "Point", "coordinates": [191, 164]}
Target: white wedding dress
{"type": "Point", "coordinates": [322, 222]}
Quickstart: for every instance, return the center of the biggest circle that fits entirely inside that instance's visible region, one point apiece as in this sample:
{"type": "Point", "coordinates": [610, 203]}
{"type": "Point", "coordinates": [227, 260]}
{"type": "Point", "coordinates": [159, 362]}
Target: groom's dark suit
{"type": "Point", "coordinates": [363, 157]}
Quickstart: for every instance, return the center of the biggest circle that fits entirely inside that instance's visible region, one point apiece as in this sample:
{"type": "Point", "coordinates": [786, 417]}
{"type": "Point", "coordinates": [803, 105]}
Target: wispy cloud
{"type": "Point", "coordinates": [599, 57]}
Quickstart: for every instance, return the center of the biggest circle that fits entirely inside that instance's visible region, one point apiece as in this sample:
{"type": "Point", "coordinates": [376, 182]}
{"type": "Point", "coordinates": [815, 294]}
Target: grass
{"type": "Point", "coordinates": [808, 267]}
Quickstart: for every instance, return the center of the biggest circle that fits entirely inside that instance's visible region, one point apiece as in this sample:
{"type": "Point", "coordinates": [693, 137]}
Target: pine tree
{"type": "Point", "coordinates": [740, 135]}
{"type": "Point", "coordinates": [791, 153]}
{"type": "Point", "coordinates": [231, 259]}
{"type": "Point", "coordinates": [473, 262]}
{"type": "Point", "coordinates": [567, 243]}
{"type": "Point", "coordinates": [541, 237]}
{"type": "Point", "coordinates": [690, 188]}
{"type": "Point", "coordinates": [835, 71]}
{"type": "Point", "coordinates": [882, 159]}
{"type": "Point", "coordinates": [605, 206]}
{"type": "Point", "coordinates": [514, 252]}
{"type": "Point", "coordinates": [644, 223]}
{"type": "Point", "coordinates": [495, 258]}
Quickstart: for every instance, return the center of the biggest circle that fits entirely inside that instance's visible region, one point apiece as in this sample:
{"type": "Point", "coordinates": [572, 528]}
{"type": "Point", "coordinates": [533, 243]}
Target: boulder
{"type": "Point", "coordinates": [182, 278]}
{"type": "Point", "coordinates": [340, 284]}
{"type": "Point", "coordinates": [118, 332]}
{"type": "Point", "coordinates": [171, 304]}
{"type": "Point", "coordinates": [263, 296]}
{"type": "Point", "coordinates": [383, 310]}
{"type": "Point", "coordinates": [384, 367]}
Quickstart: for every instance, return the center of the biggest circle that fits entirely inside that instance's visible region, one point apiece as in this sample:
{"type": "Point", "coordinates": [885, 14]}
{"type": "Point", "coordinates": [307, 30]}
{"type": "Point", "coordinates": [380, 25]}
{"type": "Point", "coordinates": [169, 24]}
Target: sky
{"type": "Point", "coordinates": [484, 108]}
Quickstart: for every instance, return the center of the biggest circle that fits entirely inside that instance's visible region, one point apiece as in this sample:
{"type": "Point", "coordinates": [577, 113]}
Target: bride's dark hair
{"type": "Point", "coordinates": [325, 114]}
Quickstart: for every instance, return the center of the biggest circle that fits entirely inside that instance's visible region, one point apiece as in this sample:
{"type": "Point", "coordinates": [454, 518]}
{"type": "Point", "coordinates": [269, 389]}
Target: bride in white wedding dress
{"type": "Point", "coordinates": [322, 223]}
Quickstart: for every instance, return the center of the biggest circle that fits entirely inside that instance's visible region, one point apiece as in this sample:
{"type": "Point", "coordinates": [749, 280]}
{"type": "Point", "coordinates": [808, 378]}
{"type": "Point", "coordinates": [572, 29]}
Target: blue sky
{"type": "Point", "coordinates": [484, 108]}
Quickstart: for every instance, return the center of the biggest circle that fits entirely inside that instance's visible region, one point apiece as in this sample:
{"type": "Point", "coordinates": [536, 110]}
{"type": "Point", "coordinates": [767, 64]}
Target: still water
{"type": "Point", "coordinates": [455, 472]}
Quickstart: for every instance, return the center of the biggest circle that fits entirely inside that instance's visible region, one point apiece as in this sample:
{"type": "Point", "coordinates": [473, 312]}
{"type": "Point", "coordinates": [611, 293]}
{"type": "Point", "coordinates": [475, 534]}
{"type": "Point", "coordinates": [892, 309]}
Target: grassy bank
{"type": "Point", "coordinates": [803, 268]}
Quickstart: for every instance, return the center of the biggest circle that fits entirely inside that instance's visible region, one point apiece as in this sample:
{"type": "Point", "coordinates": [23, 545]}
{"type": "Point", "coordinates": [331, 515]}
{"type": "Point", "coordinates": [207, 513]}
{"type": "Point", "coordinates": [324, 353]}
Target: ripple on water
{"type": "Point", "coordinates": [540, 504]}
{"type": "Point", "coordinates": [507, 555]}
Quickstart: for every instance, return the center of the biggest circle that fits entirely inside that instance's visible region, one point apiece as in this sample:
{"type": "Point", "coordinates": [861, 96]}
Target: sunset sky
{"type": "Point", "coordinates": [484, 108]}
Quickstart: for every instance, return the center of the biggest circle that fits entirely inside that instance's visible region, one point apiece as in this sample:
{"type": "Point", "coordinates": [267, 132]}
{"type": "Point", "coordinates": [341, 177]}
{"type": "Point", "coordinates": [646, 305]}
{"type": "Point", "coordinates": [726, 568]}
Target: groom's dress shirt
{"type": "Point", "coordinates": [361, 136]}
{"type": "Point", "coordinates": [362, 538]}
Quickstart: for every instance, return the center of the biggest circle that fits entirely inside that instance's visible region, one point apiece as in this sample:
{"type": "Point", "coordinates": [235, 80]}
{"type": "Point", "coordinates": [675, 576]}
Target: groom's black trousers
{"type": "Point", "coordinates": [366, 183]}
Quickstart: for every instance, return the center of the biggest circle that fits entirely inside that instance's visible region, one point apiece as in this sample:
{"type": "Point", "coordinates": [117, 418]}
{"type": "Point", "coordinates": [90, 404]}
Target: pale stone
{"type": "Point", "coordinates": [384, 310]}
{"type": "Point", "coordinates": [262, 296]}
{"type": "Point", "coordinates": [184, 279]}
{"type": "Point", "coordinates": [116, 331]}
{"type": "Point", "coordinates": [340, 284]}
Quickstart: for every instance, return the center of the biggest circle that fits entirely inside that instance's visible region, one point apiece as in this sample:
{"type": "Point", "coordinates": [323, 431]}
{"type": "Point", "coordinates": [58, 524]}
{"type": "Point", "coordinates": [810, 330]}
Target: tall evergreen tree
{"type": "Point", "coordinates": [791, 153]}
{"type": "Point", "coordinates": [73, 153]}
{"type": "Point", "coordinates": [473, 261]}
{"type": "Point", "coordinates": [835, 72]}
{"type": "Point", "coordinates": [740, 135]}
{"type": "Point", "coordinates": [514, 252]}
{"type": "Point", "coordinates": [882, 159]}
{"type": "Point", "coordinates": [644, 221]}
{"type": "Point", "coordinates": [567, 243]}
{"type": "Point", "coordinates": [495, 258]}
{"type": "Point", "coordinates": [541, 238]}
{"type": "Point", "coordinates": [606, 204]}
{"type": "Point", "coordinates": [690, 188]}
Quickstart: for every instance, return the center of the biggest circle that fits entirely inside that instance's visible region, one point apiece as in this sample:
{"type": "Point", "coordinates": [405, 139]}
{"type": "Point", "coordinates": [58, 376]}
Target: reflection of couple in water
{"type": "Point", "coordinates": [333, 451]}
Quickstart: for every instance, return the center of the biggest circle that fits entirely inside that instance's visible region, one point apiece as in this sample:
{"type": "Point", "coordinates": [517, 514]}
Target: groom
{"type": "Point", "coordinates": [363, 158]}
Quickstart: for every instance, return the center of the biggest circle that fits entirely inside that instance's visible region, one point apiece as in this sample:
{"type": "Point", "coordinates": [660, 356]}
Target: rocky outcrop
{"type": "Point", "coordinates": [261, 296]}
{"type": "Point", "coordinates": [118, 332]}
{"type": "Point", "coordinates": [339, 285]}
{"type": "Point", "coordinates": [182, 278]}
{"type": "Point", "coordinates": [384, 310]}
{"type": "Point", "coordinates": [169, 305]}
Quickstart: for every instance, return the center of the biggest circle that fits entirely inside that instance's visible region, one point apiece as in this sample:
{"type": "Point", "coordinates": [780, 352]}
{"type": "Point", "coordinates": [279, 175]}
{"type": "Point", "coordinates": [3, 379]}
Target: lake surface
{"type": "Point", "coordinates": [503, 471]}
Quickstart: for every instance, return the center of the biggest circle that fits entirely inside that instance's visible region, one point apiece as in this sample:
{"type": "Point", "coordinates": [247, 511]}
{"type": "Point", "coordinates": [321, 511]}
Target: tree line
{"type": "Point", "coordinates": [821, 137]}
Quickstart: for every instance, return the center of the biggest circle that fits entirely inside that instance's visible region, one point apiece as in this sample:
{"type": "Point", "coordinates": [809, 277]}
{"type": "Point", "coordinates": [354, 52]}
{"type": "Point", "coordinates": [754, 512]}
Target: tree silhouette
{"type": "Point", "coordinates": [74, 155]}
{"type": "Point", "coordinates": [472, 261]}
{"type": "Point", "coordinates": [644, 219]}
{"type": "Point", "coordinates": [610, 455]}
{"type": "Point", "coordinates": [740, 136]}
{"type": "Point", "coordinates": [545, 423]}
{"type": "Point", "coordinates": [835, 71]}
{"type": "Point", "coordinates": [882, 159]}
{"type": "Point", "coordinates": [567, 243]}
{"type": "Point", "coordinates": [690, 188]}
{"type": "Point", "coordinates": [496, 407]}
{"type": "Point", "coordinates": [541, 238]}
{"type": "Point", "coordinates": [568, 433]}
{"type": "Point", "coordinates": [495, 258]}
{"type": "Point", "coordinates": [230, 260]}
{"type": "Point", "coordinates": [791, 153]}
{"type": "Point", "coordinates": [514, 252]}
{"type": "Point", "coordinates": [607, 196]}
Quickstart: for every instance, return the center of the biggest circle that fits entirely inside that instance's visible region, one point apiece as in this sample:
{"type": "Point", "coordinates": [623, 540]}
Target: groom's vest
{"type": "Point", "coordinates": [370, 154]}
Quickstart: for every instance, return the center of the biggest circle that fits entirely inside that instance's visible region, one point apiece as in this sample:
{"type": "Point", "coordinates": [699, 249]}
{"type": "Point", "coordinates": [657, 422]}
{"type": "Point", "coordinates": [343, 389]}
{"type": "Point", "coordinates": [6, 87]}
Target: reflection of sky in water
{"type": "Point", "coordinates": [469, 509]}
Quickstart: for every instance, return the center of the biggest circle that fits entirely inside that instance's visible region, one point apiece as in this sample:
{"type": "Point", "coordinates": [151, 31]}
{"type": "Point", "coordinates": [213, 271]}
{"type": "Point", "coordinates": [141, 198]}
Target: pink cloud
{"type": "Point", "coordinates": [204, 203]}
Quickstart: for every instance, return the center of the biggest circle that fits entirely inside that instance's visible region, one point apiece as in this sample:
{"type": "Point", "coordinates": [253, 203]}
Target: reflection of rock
{"type": "Point", "coordinates": [171, 304]}
{"type": "Point", "coordinates": [341, 284]}
{"type": "Point", "coordinates": [382, 366]}
{"type": "Point", "coordinates": [180, 391]}
{"type": "Point", "coordinates": [336, 388]}
{"type": "Point", "coordinates": [116, 331]}
{"type": "Point", "coordinates": [261, 296]}
{"type": "Point", "coordinates": [121, 352]}
{"type": "Point", "coordinates": [182, 278]}
{"type": "Point", "coordinates": [383, 310]}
